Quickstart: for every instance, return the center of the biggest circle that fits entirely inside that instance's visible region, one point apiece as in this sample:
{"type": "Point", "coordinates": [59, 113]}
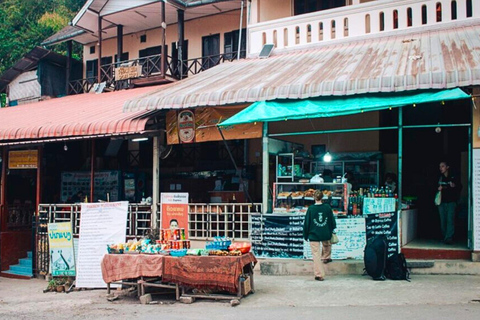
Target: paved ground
{"type": "Point", "coordinates": [339, 297]}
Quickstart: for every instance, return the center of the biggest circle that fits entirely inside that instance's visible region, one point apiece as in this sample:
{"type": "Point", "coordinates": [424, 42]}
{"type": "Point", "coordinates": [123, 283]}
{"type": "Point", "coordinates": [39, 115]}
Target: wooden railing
{"type": "Point", "coordinates": [374, 17]}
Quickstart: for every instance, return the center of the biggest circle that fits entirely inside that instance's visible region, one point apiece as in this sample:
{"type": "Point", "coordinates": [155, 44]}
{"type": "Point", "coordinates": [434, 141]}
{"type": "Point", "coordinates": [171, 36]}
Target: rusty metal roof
{"type": "Point", "coordinates": [431, 59]}
{"type": "Point", "coordinates": [87, 114]}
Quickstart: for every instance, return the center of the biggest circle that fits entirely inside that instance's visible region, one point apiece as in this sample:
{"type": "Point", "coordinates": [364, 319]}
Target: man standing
{"type": "Point", "coordinates": [449, 185]}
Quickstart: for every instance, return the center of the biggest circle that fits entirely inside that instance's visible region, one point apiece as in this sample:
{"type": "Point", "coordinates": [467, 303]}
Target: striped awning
{"type": "Point", "coordinates": [423, 59]}
{"type": "Point", "coordinates": [82, 115]}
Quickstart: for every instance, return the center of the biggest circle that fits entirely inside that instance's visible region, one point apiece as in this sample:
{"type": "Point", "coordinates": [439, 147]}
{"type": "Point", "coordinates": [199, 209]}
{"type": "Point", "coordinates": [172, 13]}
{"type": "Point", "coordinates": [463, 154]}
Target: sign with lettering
{"type": "Point", "coordinates": [124, 73]}
{"type": "Point", "coordinates": [102, 224]}
{"type": "Point", "coordinates": [278, 236]}
{"type": "Point", "coordinates": [174, 209]}
{"type": "Point", "coordinates": [378, 205]}
{"type": "Point", "coordinates": [186, 126]}
{"type": "Point", "coordinates": [384, 224]}
{"type": "Point", "coordinates": [24, 159]}
{"type": "Point", "coordinates": [60, 242]}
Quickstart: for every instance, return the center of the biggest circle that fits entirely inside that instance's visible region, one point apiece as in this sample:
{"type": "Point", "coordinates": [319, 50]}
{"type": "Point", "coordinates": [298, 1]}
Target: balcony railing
{"type": "Point", "coordinates": [150, 67]}
{"type": "Point", "coordinates": [374, 17]}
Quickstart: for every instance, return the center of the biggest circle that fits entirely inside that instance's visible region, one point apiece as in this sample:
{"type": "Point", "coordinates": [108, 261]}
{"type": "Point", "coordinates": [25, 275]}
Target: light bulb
{"type": "Point", "coordinates": [327, 157]}
{"type": "Point", "coordinates": [65, 147]}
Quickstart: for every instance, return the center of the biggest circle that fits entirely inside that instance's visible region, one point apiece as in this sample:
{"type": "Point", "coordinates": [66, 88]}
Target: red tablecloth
{"type": "Point", "coordinates": [212, 272]}
{"type": "Point", "coordinates": [117, 267]}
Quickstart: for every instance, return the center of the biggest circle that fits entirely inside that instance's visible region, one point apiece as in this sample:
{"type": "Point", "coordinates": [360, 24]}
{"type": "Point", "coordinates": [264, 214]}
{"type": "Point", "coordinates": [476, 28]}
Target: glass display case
{"type": "Point", "coordinates": [291, 197]}
{"type": "Point", "coordinates": [291, 168]}
{"type": "Point", "coordinates": [365, 172]}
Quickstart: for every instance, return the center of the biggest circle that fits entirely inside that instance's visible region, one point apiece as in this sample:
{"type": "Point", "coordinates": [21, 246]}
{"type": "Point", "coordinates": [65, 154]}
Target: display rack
{"type": "Point", "coordinates": [291, 197]}
{"type": "Point", "coordinates": [289, 167]}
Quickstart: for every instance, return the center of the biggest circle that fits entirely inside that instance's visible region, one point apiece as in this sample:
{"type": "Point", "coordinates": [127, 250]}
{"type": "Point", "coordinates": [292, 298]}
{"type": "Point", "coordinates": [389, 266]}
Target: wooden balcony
{"type": "Point", "coordinates": [374, 17]}
{"type": "Point", "coordinates": [147, 71]}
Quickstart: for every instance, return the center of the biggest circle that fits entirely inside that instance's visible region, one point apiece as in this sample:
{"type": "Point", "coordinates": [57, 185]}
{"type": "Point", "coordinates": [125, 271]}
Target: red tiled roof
{"type": "Point", "coordinates": [87, 114]}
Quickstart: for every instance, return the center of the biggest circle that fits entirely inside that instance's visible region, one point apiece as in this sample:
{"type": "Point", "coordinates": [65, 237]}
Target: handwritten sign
{"type": "Point", "coordinates": [123, 73]}
{"type": "Point", "coordinates": [24, 159]}
{"type": "Point", "coordinates": [102, 224]}
{"type": "Point", "coordinates": [384, 224]}
{"type": "Point", "coordinates": [278, 236]}
{"type": "Point", "coordinates": [378, 205]}
{"type": "Point", "coordinates": [60, 242]}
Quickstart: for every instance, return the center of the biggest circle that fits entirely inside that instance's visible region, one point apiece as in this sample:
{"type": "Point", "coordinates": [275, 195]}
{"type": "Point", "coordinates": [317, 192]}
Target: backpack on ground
{"type": "Point", "coordinates": [397, 267]}
{"type": "Point", "coordinates": [375, 257]}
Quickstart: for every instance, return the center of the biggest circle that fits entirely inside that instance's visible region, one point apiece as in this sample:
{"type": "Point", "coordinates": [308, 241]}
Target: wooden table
{"type": "Point", "coordinates": [216, 273]}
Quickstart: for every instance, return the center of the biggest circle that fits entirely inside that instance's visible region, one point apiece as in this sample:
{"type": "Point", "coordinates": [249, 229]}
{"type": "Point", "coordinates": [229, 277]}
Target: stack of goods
{"type": "Point", "coordinates": [224, 247]}
{"type": "Point", "coordinates": [174, 239]}
{"type": "Point", "coordinates": [134, 246]}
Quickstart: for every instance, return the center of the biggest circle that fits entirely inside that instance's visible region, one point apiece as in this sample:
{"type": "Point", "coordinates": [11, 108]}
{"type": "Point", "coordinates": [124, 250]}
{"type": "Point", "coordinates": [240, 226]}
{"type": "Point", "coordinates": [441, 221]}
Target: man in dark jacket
{"type": "Point", "coordinates": [318, 227]}
{"type": "Point", "coordinates": [450, 186]}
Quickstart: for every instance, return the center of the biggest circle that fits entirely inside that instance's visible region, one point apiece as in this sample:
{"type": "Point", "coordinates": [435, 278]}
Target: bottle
{"type": "Point", "coordinates": [350, 206]}
{"type": "Point", "coordinates": [234, 200]}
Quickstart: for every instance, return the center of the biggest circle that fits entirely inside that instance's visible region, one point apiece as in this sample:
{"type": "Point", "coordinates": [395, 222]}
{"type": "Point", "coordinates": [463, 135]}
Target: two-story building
{"type": "Point", "coordinates": [350, 79]}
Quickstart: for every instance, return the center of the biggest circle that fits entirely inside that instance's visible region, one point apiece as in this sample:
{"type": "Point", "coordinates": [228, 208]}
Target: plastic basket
{"type": "Point", "coordinates": [178, 253]}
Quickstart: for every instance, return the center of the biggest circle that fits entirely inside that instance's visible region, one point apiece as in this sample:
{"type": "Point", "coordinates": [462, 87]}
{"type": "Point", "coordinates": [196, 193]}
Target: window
{"type": "Point", "coordinates": [454, 10]}
{"type": "Point", "coordinates": [469, 9]}
{"type": "Point", "coordinates": [439, 12]}
{"type": "Point", "coordinates": [92, 49]}
{"type": "Point", "coordinates": [382, 21]}
{"type": "Point", "coordinates": [424, 14]}
{"type": "Point", "coordinates": [409, 17]}
{"type": "Point", "coordinates": [151, 62]}
{"type": "Point", "coordinates": [307, 6]}
{"type": "Point", "coordinates": [143, 38]}
{"type": "Point", "coordinates": [230, 47]}
{"type": "Point", "coordinates": [395, 19]}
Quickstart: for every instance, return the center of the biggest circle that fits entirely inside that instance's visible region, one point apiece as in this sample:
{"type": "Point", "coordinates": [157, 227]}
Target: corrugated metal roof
{"type": "Point", "coordinates": [431, 59]}
{"type": "Point", "coordinates": [78, 115]}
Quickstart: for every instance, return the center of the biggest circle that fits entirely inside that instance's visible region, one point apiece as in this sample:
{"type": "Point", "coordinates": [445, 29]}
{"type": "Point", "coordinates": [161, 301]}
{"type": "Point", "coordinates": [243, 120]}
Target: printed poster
{"type": "Point", "coordinates": [102, 224]}
{"type": "Point", "coordinates": [60, 241]}
{"type": "Point", "coordinates": [174, 210]}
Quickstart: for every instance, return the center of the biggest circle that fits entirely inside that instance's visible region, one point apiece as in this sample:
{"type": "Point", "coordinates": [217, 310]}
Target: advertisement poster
{"type": "Point", "coordinates": [174, 210]}
{"type": "Point", "coordinates": [25, 159]}
{"type": "Point", "coordinates": [102, 224]}
{"type": "Point", "coordinates": [60, 241]}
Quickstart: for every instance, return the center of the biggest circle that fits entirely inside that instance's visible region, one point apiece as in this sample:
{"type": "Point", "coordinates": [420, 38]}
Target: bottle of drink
{"type": "Point", "coordinates": [350, 206]}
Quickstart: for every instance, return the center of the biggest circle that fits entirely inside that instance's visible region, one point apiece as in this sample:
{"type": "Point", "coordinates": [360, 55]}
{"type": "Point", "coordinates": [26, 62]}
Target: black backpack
{"type": "Point", "coordinates": [375, 257]}
{"type": "Point", "coordinates": [397, 267]}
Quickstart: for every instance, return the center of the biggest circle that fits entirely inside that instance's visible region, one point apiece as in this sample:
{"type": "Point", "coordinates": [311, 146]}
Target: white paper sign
{"type": "Point", "coordinates": [101, 224]}
{"type": "Point", "coordinates": [476, 199]}
{"type": "Point", "coordinates": [378, 205]}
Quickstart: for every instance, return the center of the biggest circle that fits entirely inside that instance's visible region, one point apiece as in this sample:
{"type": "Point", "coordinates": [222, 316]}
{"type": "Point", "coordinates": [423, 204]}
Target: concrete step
{"type": "Point", "coordinates": [27, 262]}
{"type": "Point", "coordinates": [284, 267]}
{"type": "Point", "coordinates": [21, 269]}
{"type": "Point", "coordinates": [16, 274]}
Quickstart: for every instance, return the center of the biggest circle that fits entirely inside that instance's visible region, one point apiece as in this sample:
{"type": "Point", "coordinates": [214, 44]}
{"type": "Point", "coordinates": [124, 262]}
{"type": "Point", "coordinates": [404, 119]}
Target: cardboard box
{"type": "Point", "coordinates": [245, 286]}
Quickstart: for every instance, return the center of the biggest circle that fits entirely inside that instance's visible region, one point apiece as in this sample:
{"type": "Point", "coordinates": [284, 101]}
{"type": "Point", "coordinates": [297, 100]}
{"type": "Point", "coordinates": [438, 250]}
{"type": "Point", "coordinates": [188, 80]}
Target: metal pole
{"type": "Point", "coordinates": [265, 168]}
{"type": "Point", "coordinates": [164, 27]}
{"type": "Point", "coordinates": [92, 171]}
{"type": "Point", "coordinates": [99, 63]}
{"type": "Point", "coordinates": [400, 157]}
{"type": "Point", "coordinates": [331, 131]}
{"type": "Point", "coordinates": [181, 39]}
{"type": "Point", "coordinates": [156, 180]}
{"type": "Point", "coordinates": [3, 191]}
{"type": "Point", "coordinates": [39, 178]}
{"type": "Point", "coordinates": [240, 32]}
{"type": "Point", "coordinates": [119, 44]}
{"type": "Point", "coordinates": [69, 67]}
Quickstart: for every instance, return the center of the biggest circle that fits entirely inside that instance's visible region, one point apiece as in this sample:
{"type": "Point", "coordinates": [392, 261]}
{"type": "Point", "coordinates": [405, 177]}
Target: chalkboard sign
{"type": "Point", "coordinates": [277, 236]}
{"type": "Point", "coordinates": [385, 224]}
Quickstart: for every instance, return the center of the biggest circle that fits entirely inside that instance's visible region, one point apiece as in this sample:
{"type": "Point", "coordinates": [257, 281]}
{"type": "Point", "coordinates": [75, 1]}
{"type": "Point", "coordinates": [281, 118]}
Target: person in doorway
{"type": "Point", "coordinates": [78, 197]}
{"type": "Point", "coordinates": [450, 186]}
{"type": "Point", "coordinates": [327, 176]}
{"type": "Point", "coordinates": [318, 228]}
{"type": "Point", "coordinates": [391, 181]}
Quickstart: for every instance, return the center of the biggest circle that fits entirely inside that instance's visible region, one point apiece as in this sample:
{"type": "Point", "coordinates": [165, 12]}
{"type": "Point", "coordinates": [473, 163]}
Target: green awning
{"type": "Point", "coordinates": [280, 110]}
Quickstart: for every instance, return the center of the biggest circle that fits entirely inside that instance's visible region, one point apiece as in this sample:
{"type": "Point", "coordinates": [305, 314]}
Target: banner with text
{"type": "Point", "coordinates": [102, 224]}
{"type": "Point", "coordinates": [60, 242]}
{"type": "Point", "coordinates": [174, 208]}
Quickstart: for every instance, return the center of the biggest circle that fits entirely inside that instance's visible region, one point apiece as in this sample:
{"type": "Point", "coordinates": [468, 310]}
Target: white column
{"type": "Point", "coordinates": [265, 169]}
{"type": "Point", "coordinates": [155, 180]}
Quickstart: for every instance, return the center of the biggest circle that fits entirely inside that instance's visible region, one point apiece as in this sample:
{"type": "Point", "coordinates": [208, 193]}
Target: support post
{"type": "Point", "coordinates": [156, 180]}
{"type": "Point", "coordinates": [68, 71]}
{"type": "Point", "coordinates": [400, 158]}
{"type": "Point", "coordinates": [181, 40]}
{"type": "Point", "coordinates": [119, 44]}
{"type": "Point", "coordinates": [471, 236]}
{"type": "Point", "coordinates": [3, 191]}
{"type": "Point", "coordinates": [39, 179]}
{"type": "Point", "coordinates": [240, 31]}
{"type": "Point", "coordinates": [164, 29]}
{"type": "Point", "coordinates": [92, 171]}
{"type": "Point", "coordinates": [265, 168]}
{"type": "Point", "coordinates": [99, 63]}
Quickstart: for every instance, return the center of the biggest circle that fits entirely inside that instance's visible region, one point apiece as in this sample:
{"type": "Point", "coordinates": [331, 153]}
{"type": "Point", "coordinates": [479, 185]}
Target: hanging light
{"type": "Point", "coordinates": [327, 157]}
{"type": "Point", "coordinates": [65, 147]}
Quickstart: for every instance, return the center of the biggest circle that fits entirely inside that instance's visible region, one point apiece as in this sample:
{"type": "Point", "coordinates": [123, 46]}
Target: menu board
{"type": "Point", "coordinates": [385, 224]}
{"type": "Point", "coordinates": [277, 236]}
{"type": "Point", "coordinates": [105, 182]}
{"type": "Point", "coordinates": [476, 199]}
{"type": "Point", "coordinates": [352, 240]}
{"type": "Point", "coordinates": [378, 205]}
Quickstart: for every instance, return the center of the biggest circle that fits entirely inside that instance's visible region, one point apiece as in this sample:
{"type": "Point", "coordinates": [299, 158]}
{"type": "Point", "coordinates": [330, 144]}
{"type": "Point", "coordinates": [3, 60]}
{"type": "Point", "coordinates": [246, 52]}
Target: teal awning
{"type": "Point", "coordinates": [280, 110]}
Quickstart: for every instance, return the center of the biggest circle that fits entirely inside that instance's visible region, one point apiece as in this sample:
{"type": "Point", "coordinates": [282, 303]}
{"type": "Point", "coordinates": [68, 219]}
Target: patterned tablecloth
{"type": "Point", "coordinates": [212, 272]}
{"type": "Point", "coordinates": [206, 272]}
{"type": "Point", "coordinates": [117, 267]}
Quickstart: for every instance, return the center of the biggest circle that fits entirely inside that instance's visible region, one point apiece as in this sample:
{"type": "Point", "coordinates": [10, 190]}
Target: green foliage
{"type": "Point", "coordinates": [24, 24]}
